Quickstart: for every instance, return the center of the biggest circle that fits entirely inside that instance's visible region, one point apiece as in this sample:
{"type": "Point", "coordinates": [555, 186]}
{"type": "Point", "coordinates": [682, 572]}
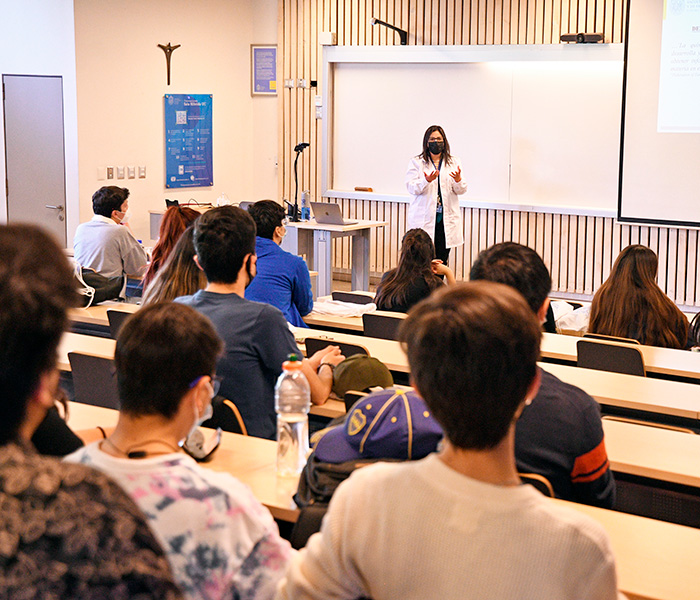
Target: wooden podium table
{"type": "Point", "coordinates": [313, 240]}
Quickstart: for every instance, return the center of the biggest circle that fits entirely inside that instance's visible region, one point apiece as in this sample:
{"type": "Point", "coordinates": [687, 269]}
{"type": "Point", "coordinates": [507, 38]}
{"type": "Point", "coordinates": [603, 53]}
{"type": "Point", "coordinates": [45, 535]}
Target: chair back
{"type": "Point", "coordinates": [354, 297]}
{"type": "Point", "coordinates": [308, 523]}
{"type": "Point", "coordinates": [611, 338]}
{"type": "Point", "coordinates": [667, 426]}
{"type": "Point", "coordinates": [383, 326]}
{"type": "Point", "coordinates": [350, 397]}
{"type": "Point", "coordinates": [313, 345]}
{"type": "Point", "coordinates": [94, 380]}
{"type": "Point", "coordinates": [614, 357]}
{"type": "Point", "coordinates": [539, 482]}
{"type": "Point", "coordinates": [116, 319]}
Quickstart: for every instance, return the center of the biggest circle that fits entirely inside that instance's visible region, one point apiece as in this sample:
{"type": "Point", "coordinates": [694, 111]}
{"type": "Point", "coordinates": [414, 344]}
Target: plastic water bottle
{"type": "Point", "coordinates": [223, 200]}
{"type": "Point", "coordinates": [305, 208]}
{"type": "Point", "coordinates": [292, 403]}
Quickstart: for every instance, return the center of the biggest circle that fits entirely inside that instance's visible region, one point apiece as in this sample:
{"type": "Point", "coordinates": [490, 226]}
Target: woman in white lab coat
{"type": "Point", "coordinates": [434, 180]}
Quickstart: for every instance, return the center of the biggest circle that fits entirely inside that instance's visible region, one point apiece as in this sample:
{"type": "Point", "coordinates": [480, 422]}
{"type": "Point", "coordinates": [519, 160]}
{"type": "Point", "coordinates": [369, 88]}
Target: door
{"type": "Point", "coordinates": [34, 151]}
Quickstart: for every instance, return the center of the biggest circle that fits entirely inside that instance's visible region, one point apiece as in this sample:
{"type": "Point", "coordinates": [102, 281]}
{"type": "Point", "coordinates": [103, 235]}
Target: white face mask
{"type": "Point", "coordinates": [126, 217]}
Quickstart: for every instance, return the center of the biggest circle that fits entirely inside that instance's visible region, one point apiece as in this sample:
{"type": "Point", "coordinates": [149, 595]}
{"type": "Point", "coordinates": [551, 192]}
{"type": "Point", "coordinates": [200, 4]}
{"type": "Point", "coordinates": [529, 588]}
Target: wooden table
{"type": "Point", "coordinates": [97, 315]}
{"type": "Point", "coordinates": [313, 240]}
{"type": "Point", "coordinates": [555, 346]}
{"type": "Point", "coordinates": [613, 389]}
{"type": "Point", "coordinates": [663, 361]}
{"type": "Point", "coordinates": [655, 560]}
{"type": "Point", "coordinates": [85, 344]}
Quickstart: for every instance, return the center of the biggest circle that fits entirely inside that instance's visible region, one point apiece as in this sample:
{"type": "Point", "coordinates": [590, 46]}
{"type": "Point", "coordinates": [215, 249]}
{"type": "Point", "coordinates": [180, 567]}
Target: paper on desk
{"type": "Point", "coordinates": [338, 308]}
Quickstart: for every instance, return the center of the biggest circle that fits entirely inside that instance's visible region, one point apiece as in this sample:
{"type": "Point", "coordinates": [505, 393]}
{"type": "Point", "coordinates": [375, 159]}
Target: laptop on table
{"type": "Point", "coordinates": [329, 214]}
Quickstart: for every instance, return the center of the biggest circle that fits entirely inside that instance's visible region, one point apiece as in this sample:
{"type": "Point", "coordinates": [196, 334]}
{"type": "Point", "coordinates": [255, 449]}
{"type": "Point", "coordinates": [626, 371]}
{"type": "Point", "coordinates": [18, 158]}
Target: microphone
{"type": "Point", "coordinates": [403, 35]}
{"type": "Point", "coordinates": [300, 146]}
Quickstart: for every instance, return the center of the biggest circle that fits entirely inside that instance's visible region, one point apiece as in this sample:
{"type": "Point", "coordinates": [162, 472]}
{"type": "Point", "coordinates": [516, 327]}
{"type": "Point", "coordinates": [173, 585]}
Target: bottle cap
{"type": "Point", "coordinates": [293, 362]}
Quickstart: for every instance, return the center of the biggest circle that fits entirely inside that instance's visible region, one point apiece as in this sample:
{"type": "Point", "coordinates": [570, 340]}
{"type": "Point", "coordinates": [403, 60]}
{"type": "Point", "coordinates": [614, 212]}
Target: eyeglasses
{"type": "Point", "coordinates": [215, 383]}
{"type": "Point", "coordinates": [435, 139]}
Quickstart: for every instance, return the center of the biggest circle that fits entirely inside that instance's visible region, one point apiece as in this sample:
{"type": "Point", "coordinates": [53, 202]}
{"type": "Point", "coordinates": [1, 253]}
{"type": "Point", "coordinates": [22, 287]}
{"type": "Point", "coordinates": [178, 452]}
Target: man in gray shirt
{"type": "Point", "coordinates": [103, 244]}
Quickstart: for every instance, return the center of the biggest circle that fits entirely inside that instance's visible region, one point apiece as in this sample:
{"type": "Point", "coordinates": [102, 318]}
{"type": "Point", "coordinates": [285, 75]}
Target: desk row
{"type": "Point", "coordinates": [655, 560]}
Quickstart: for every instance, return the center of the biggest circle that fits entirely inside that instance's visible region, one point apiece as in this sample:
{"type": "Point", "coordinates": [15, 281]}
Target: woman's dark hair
{"type": "Point", "coordinates": [417, 254]}
{"type": "Point", "coordinates": [175, 220]}
{"type": "Point", "coordinates": [425, 155]}
{"type": "Point", "coordinates": [179, 275]}
{"type": "Point", "coordinates": [631, 304]}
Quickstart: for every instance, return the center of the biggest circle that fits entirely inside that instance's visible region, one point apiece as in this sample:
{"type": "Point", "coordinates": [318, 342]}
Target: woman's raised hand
{"type": "Point", "coordinates": [431, 176]}
{"type": "Point", "coordinates": [457, 175]}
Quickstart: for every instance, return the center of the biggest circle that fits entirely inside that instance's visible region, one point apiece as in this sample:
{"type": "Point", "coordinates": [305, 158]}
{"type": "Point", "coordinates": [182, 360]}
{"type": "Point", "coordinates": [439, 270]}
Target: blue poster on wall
{"type": "Point", "coordinates": [188, 145]}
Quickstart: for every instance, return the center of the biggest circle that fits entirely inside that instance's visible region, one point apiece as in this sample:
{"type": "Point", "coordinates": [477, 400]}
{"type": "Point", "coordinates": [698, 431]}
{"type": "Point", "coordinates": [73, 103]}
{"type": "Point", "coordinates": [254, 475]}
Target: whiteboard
{"type": "Point", "coordinates": [532, 129]}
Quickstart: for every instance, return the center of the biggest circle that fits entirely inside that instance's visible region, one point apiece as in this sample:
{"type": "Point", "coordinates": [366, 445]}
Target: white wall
{"type": "Point", "coordinates": [122, 80]}
{"type": "Point", "coordinates": [37, 38]}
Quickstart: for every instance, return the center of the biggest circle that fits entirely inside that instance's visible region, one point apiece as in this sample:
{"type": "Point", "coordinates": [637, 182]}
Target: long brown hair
{"type": "Point", "coordinates": [417, 253]}
{"type": "Point", "coordinates": [175, 220]}
{"type": "Point", "coordinates": [425, 155]}
{"type": "Point", "coordinates": [631, 304]}
{"type": "Point", "coordinates": [179, 276]}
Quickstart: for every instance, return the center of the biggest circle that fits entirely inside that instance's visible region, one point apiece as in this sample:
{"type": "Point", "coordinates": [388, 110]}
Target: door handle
{"type": "Point", "coordinates": [59, 207]}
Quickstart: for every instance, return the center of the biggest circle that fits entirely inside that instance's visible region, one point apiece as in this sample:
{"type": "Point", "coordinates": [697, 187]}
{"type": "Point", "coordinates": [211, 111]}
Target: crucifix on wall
{"type": "Point", "coordinates": [168, 52]}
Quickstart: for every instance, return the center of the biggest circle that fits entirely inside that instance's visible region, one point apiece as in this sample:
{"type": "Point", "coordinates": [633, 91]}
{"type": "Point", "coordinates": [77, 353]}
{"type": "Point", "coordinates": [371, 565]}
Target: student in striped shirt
{"type": "Point", "coordinates": [559, 435]}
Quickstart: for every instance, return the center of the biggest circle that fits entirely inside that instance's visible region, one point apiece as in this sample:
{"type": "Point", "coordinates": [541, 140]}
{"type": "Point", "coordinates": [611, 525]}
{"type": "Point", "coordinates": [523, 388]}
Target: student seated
{"type": "Point", "coordinates": [179, 275]}
{"type": "Point", "coordinates": [103, 244]}
{"type": "Point", "coordinates": [630, 303]}
{"type": "Point", "coordinates": [221, 542]}
{"type": "Point", "coordinates": [67, 531]}
{"type": "Point", "coordinates": [256, 336]}
{"type": "Point", "coordinates": [559, 434]}
{"type": "Point", "coordinates": [173, 224]}
{"type": "Point", "coordinates": [282, 279]}
{"type": "Point", "coordinates": [416, 275]}
{"type": "Point", "coordinates": [458, 524]}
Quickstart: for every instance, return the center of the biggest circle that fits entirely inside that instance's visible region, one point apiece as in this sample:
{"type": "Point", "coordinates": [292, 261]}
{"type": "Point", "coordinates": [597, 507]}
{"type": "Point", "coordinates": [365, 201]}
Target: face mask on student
{"type": "Point", "coordinates": [126, 217]}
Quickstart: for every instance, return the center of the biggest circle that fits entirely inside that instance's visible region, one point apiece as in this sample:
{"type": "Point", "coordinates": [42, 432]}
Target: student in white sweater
{"type": "Point", "coordinates": [458, 524]}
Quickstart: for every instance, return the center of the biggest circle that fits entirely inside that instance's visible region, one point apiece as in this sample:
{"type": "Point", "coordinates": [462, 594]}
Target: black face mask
{"type": "Point", "coordinates": [436, 147]}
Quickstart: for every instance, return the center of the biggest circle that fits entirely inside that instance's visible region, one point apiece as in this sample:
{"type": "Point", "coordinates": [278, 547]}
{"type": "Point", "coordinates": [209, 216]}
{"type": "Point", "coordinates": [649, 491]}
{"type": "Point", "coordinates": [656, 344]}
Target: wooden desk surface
{"type": "Point", "coordinates": [97, 315]}
{"type": "Point", "coordinates": [351, 324]}
{"type": "Point", "coordinates": [86, 344]}
{"type": "Point", "coordinates": [666, 361]}
{"type": "Point", "coordinates": [655, 560]}
{"type": "Point", "coordinates": [627, 391]}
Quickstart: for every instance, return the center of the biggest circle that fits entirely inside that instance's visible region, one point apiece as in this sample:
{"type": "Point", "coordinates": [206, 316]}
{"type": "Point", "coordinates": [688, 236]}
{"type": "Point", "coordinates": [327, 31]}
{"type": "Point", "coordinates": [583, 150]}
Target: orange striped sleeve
{"type": "Point", "coordinates": [591, 465]}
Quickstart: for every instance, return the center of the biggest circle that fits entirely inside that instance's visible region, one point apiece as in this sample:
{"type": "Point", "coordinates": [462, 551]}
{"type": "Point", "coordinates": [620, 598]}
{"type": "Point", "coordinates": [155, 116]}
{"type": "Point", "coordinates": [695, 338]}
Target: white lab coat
{"type": "Point", "coordinates": [421, 210]}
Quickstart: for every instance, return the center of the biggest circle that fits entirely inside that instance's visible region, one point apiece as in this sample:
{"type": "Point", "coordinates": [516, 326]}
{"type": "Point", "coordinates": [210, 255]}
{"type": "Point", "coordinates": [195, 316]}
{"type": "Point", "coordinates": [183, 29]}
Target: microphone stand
{"type": "Point", "coordinates": [295, 213]}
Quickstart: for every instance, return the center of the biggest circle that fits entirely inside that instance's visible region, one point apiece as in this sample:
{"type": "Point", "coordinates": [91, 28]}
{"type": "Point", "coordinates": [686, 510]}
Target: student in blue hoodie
{"type": "Point", "coordinates": [282, 278]}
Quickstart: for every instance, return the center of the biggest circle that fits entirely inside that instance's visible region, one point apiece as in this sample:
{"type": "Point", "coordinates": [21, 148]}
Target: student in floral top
{"type": "Point", "coordinates": [66, 531]}
{"type": "Point", "coordinates": [221, 542]}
